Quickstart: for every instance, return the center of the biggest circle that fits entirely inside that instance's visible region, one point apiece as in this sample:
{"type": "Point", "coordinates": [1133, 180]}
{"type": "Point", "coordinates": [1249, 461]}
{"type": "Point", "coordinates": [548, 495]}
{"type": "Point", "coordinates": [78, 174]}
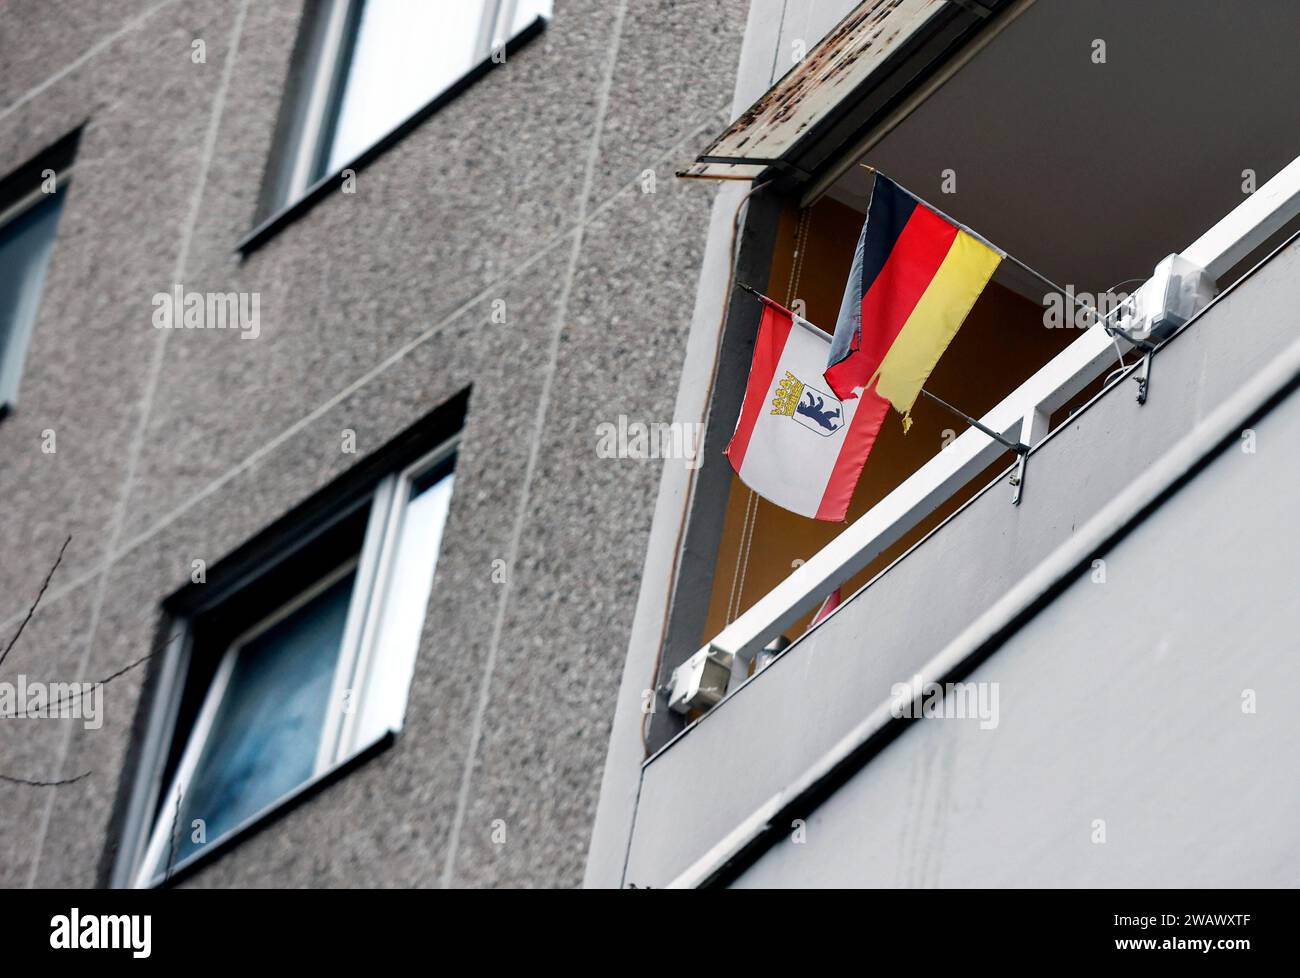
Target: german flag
{"type": "Point", "coordinates": [914, 279]}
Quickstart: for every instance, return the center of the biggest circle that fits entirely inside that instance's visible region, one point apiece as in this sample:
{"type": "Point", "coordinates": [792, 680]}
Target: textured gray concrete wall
{"type": "Point", "coordinates": [758, 741]}
{"type": "Point", "coordinates": [1147, 730]}
{"type": "Point", "coordinates": [375, 309]}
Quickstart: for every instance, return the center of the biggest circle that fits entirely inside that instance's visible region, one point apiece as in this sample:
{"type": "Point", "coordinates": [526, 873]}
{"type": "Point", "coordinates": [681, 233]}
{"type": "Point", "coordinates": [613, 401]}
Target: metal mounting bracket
{"type": "Point", "coordinates": [1143, 377]}
{"type": "Point", "coordinates": [1018, 479]}
{"type": "Point", "coordinates": [1032, 430]}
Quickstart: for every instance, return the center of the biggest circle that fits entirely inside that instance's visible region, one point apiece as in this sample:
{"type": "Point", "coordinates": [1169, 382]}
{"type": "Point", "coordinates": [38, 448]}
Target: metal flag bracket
{"type": "Point", "coordinates": [1033, 428]}
{"type": "Point", "coordinates": [1143, 372]}
{"type": "Point", "coordinates": [1143, 377]}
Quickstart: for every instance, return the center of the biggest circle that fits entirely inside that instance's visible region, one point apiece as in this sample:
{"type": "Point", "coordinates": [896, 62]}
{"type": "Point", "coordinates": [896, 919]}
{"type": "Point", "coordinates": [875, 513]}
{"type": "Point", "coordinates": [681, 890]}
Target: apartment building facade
{"type": "Point", "coordinates": [312, 315]}
{"type": "Point", "coordinates": [364, 383]}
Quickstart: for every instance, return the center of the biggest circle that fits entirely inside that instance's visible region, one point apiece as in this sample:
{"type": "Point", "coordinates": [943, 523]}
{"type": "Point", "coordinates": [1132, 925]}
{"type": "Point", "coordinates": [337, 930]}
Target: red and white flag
{"type": "Point", "coordinates": [796, 444]}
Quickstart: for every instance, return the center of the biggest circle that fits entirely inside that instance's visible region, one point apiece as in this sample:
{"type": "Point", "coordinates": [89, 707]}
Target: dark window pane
{"type": "Point", "coordinates": [25, 245]}
{"type": "Point", "coordinates": [267, 730]}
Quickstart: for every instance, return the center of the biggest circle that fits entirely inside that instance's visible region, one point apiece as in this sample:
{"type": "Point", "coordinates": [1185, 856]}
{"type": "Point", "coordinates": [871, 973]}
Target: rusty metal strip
{"type": "Point", "coordinates": [835, 67]}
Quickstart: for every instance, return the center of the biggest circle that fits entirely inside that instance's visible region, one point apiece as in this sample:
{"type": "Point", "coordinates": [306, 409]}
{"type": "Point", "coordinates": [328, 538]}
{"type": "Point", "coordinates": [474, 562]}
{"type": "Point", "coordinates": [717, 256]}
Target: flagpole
{"type": "Point", "coordinates": [1018, 447]}
{"type": "Point", "coordinates": [1113, 330]}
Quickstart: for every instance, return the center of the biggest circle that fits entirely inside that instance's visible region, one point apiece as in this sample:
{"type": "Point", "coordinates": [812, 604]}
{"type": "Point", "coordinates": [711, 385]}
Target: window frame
{"type": "Point", "coordinates": [339, 748]}
{"type": "Point", "coordinates": [13, 359]}
{"type": "Point", "coordinates": [198, 735]}
{"type": "Point", "coordinates": [308, 112]}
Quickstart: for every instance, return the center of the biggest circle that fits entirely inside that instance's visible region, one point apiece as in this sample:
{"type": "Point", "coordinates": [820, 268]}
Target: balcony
{"type": "Point", "coordinates": [954, 556]}
{"type": "Point", "coordinates": [713, 799]}
{"type": "Point", "coordinates": [1091, 701]}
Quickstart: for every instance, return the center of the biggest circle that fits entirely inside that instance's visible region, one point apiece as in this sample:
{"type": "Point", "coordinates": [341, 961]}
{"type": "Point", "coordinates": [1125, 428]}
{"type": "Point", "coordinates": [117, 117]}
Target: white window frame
{"type": "Point", "coordinates": [325, 84]}
{"type": "Point", "coordinates": [357, 663]}
{"type": "Point", "coordinates": [160, 837]}
{"type": "Point", "coordinates": [15, 356]}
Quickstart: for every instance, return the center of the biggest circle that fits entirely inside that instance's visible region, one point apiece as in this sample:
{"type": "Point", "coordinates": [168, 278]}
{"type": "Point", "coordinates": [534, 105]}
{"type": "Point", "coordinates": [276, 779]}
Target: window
{"type": "Point", "coordinates": [31, 201]}
{"type": "Point", "coordinates": [302, 668]}
{"type": "Point", "coordinates": [363, 68]}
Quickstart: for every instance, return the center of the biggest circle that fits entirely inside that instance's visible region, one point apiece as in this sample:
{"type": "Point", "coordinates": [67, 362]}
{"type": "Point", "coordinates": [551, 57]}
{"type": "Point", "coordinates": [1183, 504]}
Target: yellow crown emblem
{"type": "Point", "coordinates": [788, 393]}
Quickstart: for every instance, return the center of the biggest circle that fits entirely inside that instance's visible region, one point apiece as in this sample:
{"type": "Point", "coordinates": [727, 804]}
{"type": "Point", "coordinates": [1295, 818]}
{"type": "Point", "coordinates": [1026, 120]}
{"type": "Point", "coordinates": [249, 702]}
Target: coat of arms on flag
{"type": "Point", "coordinates": [808, 406]}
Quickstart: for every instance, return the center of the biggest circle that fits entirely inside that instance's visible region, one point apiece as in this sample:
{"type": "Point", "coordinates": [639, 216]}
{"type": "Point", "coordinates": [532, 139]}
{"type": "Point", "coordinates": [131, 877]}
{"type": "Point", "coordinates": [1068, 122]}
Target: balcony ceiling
{"type": "Point", "coordinates": [1093, 172]}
